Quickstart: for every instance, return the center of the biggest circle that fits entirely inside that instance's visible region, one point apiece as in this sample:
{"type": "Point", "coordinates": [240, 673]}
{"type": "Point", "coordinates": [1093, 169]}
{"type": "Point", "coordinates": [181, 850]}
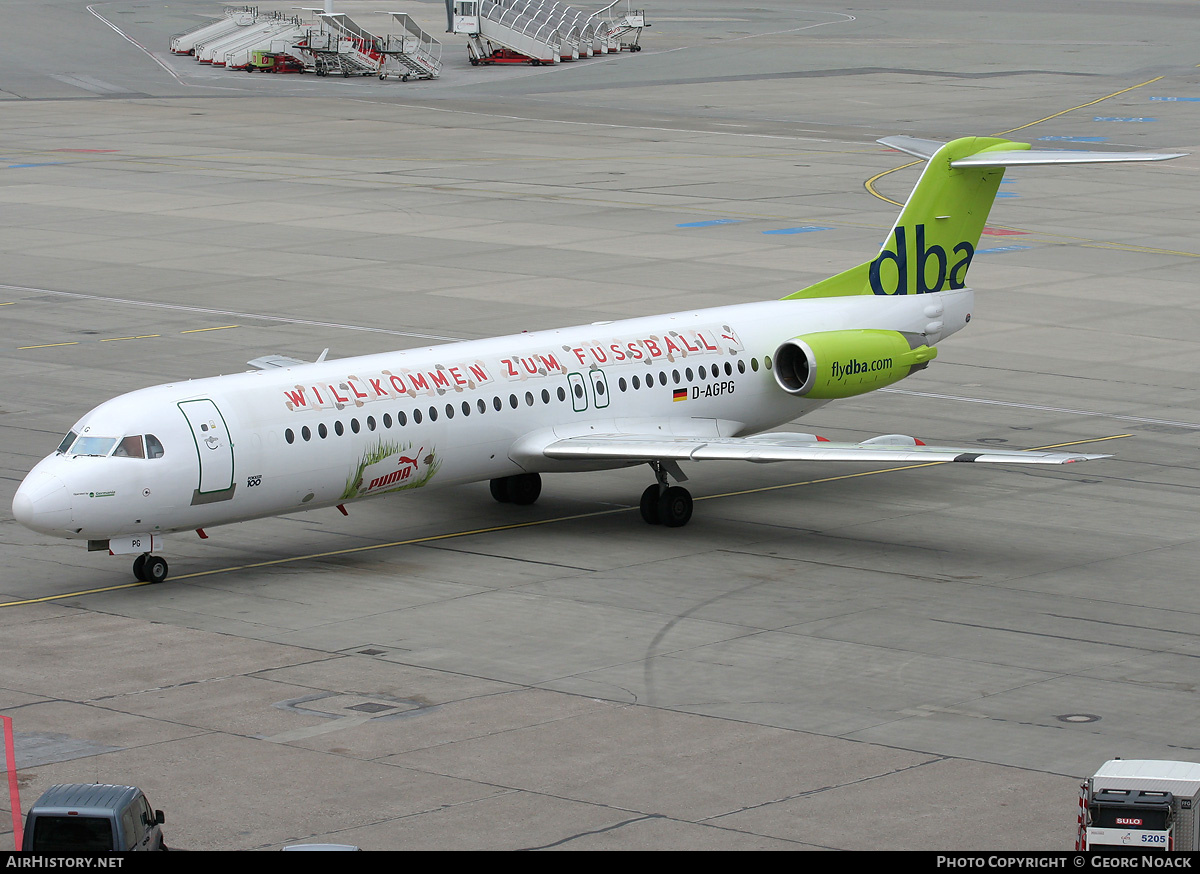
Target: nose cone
{"type": "Point", "coordinates": [43, 503]}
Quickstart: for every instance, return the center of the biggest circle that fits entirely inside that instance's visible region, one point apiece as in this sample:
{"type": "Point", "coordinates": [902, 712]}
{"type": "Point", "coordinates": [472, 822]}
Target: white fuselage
{"type": "Point", "coordinates": [274, 441]}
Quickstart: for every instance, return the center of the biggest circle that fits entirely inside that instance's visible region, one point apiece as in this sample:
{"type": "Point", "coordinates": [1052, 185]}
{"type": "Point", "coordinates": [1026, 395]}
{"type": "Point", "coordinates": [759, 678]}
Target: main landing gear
{"type": "Point", "coordinates": [521, 488]}
{"type": "Point", "coordinates": [150, 568]}
{"type": "Point", "coordinates": [663, 503]}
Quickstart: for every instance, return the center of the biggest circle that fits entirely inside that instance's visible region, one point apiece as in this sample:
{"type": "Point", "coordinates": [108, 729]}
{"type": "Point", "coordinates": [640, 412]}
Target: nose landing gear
{"type": "Point", "coordinates": [150, 568]}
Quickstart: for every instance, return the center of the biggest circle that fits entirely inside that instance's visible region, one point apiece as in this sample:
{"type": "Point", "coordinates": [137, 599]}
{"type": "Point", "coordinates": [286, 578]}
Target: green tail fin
{"type": "Point", "coordinates": [934, 239]}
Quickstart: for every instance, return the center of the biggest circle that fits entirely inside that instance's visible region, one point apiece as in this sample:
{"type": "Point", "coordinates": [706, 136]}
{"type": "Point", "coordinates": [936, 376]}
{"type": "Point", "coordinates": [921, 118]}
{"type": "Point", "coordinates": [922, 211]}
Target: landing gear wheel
{"type": "Point", "coordinates": [675, 507]}
{"type": "Point", "coordinates": [155, 569]}
{"type": "Point", "coordinates": [150, 568]}
{"type": "Point", "coordinates": [521, 489]}
{"type": "Point", "coordinates": [524, 488]}
{"type": "Point", "coordinates": [499, 489]}
{"type": "Point", "coordinates": [650, 505]}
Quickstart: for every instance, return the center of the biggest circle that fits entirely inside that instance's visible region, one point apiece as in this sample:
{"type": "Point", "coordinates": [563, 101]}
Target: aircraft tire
{"type": "Point", "coordinates": [155, 569]}
{"type": "Point", "coordinates": [499, 489]}
{"type": "Point", "coordinates": [139, 567]}
{"type": "Point", "coordinates": [650, 505]}
{"type": "Point", "coordinates": [524, 488]}
{"type": "Point", "coordinates": [675, 507]}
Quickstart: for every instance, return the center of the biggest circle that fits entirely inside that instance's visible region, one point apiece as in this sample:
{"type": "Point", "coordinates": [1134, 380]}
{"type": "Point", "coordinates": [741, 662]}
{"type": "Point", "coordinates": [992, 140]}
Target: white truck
{"type": "Point", "coordinates": [1140, 804]}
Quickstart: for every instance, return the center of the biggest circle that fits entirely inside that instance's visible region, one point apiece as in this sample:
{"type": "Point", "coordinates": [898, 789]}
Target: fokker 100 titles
{"type": "Point", "coordinates": [466, 376]}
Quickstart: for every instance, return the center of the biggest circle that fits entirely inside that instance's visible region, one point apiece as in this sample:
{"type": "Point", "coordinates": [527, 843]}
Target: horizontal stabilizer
{"type": "Point", "coordinates": [998, 157]}
{"type": "Point", "coordinates": [915, 146]}
{"type": "Point", "coordinates": [1035, 157]}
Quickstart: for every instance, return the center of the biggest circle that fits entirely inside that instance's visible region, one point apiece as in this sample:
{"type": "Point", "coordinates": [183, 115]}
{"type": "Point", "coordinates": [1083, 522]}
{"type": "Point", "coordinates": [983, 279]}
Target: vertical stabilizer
{"type": "Point", "coordinates": [933, 241]}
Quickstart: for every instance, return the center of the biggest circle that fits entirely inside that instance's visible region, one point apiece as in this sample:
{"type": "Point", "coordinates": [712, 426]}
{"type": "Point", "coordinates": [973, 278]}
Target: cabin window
{"type": "Point", "coordinates": [728, 369]}
{"type": "Point", "coordinates": [497, 403]}
{"type": "Point", "coordinates": [449, 411]}
{"type": "Point", "coordinates": [370, 423]}
{"type": "Point", "coordinates": [741, 365]}
{"type": "Point", "coordinates": [306, 434]}
{"type": "Point", "coordinates": [482, 404]}
{"type": "Point", "coordinates": [466, 408]}
{"type": "Point", "coordinates": [322, 430]}
{"type": "Point", "coordinates": [130, 447]}
{"type": "Point", "coordinates": [767, 361]}
{"type": "Point", "coordinates": [416, 417]}
{"type": "Point", "coordinates": [354, 426]}
{"type": "Point", "coordinates": [289, 436]}
{"type": "Point", "coordinates": [387, 420]}
{"type": "Point", "coordinates": [675, 376]}
{"type": "Point", "coordinates": [401, 418]}
{"type": "Point", "coordinates": [545, 396]}
{"type": "Point", "coordinates": [512, 401]}
{"type": "Point", "coordinates": [529, 399]}
{"type": "Point", "coordinates": [339, 428]}
{"type": "Point", "coordinates": [754, 364]}
{"type": "Point", "coordinates": [637, 383]}
{"type": "Point", "coordinates": [66, 442]}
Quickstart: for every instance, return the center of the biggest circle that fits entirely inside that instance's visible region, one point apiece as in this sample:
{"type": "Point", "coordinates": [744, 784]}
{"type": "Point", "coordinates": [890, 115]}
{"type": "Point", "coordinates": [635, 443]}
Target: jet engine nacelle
{"type": "Point", "coordinates": [841, 364]}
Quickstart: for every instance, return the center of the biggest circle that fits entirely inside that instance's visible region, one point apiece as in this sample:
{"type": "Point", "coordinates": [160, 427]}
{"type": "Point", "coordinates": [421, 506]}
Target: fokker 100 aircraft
{"type": "Point", "coordinates": [696, 385]}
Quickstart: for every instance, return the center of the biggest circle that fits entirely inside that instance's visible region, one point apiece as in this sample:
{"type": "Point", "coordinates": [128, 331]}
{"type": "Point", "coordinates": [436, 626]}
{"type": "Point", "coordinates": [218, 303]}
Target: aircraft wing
{"type": "Point", "coordinates": [267, 362]}
{"type": "Point", "coordinates": [765, 448]}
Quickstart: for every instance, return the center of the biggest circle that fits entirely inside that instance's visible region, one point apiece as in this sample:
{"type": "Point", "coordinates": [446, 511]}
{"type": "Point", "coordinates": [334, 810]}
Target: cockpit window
{"type": "Point", "coordinates": [93, 446]}
{"type": "Point", "coordinates": [130, 447]}
{"type": "Point", "coordinates": [66, 442]}
{"type": "Point", "coordinates": [154, 449]}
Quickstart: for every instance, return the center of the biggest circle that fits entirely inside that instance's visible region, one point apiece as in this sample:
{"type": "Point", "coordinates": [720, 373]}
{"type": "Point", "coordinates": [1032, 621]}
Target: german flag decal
{"type": "Point", "coordinates": [680, 394]}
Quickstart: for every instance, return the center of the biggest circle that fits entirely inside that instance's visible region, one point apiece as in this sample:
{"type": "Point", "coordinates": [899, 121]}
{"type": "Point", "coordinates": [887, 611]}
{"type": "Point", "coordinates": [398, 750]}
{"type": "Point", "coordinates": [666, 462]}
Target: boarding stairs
{"type": "Point", "coordinates": [213, 50]}
{"type": "Point", "coordinates": [235, 17]}
{"type": "Point", "coordinates": [276, 42]}
{"type": "Point", "coordinates": [575, 27]}
{"type": "Point", "coordinates": [412, 53]}
{"type": "Point", "coordinates": [496, 34]}
{"type": "Point", "coordinates": [619, 25]}
{"type": "Point", "coordinates": [341, 46]}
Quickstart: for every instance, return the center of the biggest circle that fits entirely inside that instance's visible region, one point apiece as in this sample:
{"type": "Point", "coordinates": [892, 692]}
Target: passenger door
{"type": "Point", "coordinates": [214, 448]}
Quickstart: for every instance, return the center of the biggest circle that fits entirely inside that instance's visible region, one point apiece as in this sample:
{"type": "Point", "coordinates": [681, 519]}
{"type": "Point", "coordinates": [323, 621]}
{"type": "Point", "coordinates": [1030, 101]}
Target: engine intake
{"type": "Point", "coordinates": [842, 364]}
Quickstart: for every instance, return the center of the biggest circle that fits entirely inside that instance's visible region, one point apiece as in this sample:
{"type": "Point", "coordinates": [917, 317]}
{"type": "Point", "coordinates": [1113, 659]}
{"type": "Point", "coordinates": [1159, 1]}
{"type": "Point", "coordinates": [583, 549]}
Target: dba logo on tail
{"type": "Point", "coordinates": [956, 273]}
